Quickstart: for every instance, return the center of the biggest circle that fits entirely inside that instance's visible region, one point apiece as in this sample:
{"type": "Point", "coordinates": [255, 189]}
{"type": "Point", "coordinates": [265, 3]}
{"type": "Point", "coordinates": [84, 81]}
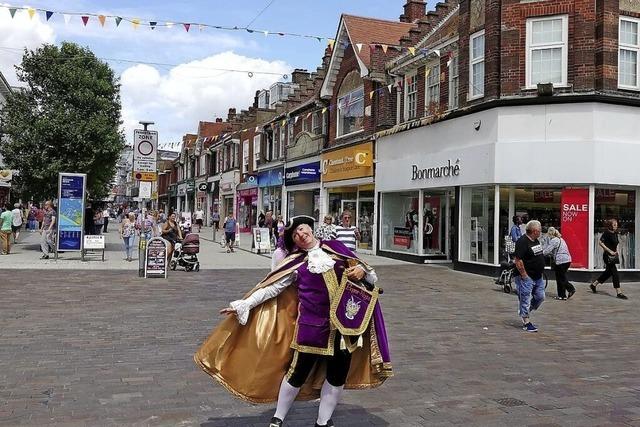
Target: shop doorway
{"type": "Point", "coordinates": [437, 212]}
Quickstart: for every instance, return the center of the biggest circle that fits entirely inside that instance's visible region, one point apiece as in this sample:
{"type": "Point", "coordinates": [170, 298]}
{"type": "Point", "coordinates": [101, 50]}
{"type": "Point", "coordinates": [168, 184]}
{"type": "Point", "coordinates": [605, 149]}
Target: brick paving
{"type": "Point", "coordinates": [80, 348]}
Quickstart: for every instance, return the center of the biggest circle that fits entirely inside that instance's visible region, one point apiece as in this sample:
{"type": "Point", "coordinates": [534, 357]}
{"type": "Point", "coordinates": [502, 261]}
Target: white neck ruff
{"type": "Point", "coordinates": [319, 261]}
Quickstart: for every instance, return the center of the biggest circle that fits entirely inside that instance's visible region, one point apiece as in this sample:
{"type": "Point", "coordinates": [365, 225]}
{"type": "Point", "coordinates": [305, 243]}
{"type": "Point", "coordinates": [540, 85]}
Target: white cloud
{"type": "Point", "coordinates": [18, 33]}
{"type": "Point", "coordinates": [191, 92]}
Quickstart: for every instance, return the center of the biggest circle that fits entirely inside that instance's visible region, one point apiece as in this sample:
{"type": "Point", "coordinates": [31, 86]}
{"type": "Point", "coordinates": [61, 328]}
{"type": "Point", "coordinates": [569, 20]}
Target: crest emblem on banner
{"type": "Point", "coordinates": [352, 308]}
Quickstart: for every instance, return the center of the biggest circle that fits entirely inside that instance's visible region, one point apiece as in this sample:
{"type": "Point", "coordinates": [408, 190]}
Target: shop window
{"type": "Point", "coordinates": [477, 221]}
{"type": "Point", "coordinates": [341, 199]}
{"type": "Point", "coordinates": [620, 205]}
{"type": "Point", "coordinates": [629, 48]}
{"type": "Point", "coordinates": [476, 65]}
{"type": "Point", "coordinates": [434, 214]}
{"type": "Point", "coordinates": [547, 46]}
{"type": "Point", "coordinates": [399, 220]}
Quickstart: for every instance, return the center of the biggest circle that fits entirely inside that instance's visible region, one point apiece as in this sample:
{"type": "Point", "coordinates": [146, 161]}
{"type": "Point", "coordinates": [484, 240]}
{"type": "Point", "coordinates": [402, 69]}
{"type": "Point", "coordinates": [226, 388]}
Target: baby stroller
{"type": "Point", "coordinates": [185, 253]}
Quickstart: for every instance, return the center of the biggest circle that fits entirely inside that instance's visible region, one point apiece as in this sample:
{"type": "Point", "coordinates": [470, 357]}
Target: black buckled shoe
{"type": "Point", "coordinates": [275, 422]}
{"type": "Point", "coordinates": [328, 424]}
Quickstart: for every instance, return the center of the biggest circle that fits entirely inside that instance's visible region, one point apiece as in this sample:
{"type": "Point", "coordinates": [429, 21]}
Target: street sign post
{"type": "Point", "coordinates": [145, 153]}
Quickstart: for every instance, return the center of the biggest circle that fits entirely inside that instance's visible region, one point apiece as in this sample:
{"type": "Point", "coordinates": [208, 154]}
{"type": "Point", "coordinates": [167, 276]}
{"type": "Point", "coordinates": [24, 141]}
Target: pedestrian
{"type": "Point", "coordinates": [215, 218]}
{"type": "Point", "coordinates": [261, 218]}
{"type": "Point", "coordinates": [98, 221]}
{"type": "Point", "coordinates": [250, 353]}
{"type": "Point", "coordinates": [347, 233]}
{"type": "Point", "coordinates": [230, 231]}
{"type": "Point", "coordinates": [128, 234]}
{"type": "Point", "coordinates": [39, 216]}
{"type": "Point", "coordinates": [516, 231]}
{"type": "Point", "coordinates": [162, 218]}
{"type": "Point", "coordinates": [106, 213]}
{"type": "Point", "coordinates": [18, 219]}
{"type": "Point", "coordinates": [560, 262]}
{"type": "Point", "coordinates": [279, 253]}
{"type": "Point", "coordinates": [609, 244]}
{"type": "Point", "coordinates": [31, 218]}
{"type": "Point", "coordinates": [198, 216]}
{"type": "Point", "coordinates": [279, 225]}
{"type": "Point", "coordinates": [171, 232]}
{"type": "Point", "coordinates": [147, 225]}
{"type": "Point", "coordinates": [48, 231]}
{"type": "Point", "coordinates": [326, 230]}
{"type": "Point", "coordinates": [6, 222]}
{"type": "Point", "coordinates": [529, 260]}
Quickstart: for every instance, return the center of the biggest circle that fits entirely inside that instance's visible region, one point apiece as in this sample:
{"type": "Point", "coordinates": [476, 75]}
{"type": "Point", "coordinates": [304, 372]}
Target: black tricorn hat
{"type": "Point", "coordinates": [291, 226]}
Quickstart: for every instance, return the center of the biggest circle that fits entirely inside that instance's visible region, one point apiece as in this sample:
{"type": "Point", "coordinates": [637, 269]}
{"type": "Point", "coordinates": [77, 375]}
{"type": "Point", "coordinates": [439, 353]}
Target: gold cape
{"type": "Point", "coordinates": [251, 360]}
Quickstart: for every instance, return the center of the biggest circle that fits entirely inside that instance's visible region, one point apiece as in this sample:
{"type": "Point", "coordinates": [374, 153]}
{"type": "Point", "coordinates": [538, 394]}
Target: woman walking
{"type": "Point", "coordinates": [128, 233]}
{"type": "Point", "coordinates": [609, 243]}
{"type": "Point", "coordinates": [560, 261]}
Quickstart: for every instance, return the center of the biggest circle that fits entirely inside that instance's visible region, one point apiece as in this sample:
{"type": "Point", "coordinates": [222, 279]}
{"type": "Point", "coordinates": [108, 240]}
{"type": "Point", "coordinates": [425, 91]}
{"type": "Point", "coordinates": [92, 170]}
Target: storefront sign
{"type": "Point", "coordinates": [574, 224]}
{"type": "Point", "coordinates": [249, 192]}
{"type": "Point", "coordinates": [191, 186]}
{"type": "Point", "coordinates": [225, 187]}
{"type": "Point", "coordinates": [348, 163]}
{"type": "Point", "coordinates": [446, 171]}
{"type": "Point", "coordinates": [270, 178]}
{"type": "Point", "coordinates": [402, 236]}
{"type": "Point", "coordinates": [202, 186]}
{"type": "Point", "coordinates": [182, 189]}
{"type": "Point", "coordinates": [71, 190]}
{"type": "Point", "coordinates": [303, 174]}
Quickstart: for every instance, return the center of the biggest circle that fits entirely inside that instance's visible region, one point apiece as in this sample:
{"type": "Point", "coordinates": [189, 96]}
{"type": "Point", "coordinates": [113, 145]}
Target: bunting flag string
{"type": "Point", "coordinates": [136, 22]}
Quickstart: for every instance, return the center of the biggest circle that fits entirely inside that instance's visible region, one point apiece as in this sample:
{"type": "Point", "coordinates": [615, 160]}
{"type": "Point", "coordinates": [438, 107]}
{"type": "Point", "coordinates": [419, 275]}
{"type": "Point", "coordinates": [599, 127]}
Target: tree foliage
{"type": "Point", "coordinates": [66, 119]}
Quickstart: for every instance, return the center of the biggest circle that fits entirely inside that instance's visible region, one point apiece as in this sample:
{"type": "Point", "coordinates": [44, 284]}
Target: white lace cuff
{"type": "Point", "coordinates": [242, 309]}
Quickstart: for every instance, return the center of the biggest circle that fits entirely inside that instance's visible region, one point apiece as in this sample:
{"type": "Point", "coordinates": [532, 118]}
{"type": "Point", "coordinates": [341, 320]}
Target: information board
{"type": "Point", "coordinates": [156, 263]}
{"type": "Point", "coordinates": [94, 241]}
{"type": "Point", "coordinates": [262, 239]}
{"type": "Point", "coordinates": [71, 190]}
{"type": "Point", "coordinates": [145, 150]}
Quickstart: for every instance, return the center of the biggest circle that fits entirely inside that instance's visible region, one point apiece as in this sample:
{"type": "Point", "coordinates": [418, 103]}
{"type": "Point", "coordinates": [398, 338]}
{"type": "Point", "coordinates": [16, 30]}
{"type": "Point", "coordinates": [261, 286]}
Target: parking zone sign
{"type": "Point", "coordinates": [145, 150]}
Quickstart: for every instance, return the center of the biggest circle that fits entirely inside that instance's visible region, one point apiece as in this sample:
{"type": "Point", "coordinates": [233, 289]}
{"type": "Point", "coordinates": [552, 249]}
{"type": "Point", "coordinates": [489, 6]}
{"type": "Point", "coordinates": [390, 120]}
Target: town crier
{"type": "Point", "coordinates": [310, 329]}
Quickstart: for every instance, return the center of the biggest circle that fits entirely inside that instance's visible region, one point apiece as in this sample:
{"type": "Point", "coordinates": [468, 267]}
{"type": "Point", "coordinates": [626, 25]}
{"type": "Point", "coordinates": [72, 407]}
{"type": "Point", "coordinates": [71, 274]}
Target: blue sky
{"type": "Point", "coordinates": [176, 97]}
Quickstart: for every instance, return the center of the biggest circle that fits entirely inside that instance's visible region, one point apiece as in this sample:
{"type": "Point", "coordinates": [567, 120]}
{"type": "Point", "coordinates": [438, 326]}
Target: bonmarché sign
{"type": "Point", "coordinates": [445, 171]}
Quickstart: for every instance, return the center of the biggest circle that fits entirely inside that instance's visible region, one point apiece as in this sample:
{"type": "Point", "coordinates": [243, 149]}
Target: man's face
{"type": "Point", "coordinates": [536, 232]}
{"type": "Point", "coordinates": [346, 219]}
{"type": "Point", "coordinates": [303, 237]}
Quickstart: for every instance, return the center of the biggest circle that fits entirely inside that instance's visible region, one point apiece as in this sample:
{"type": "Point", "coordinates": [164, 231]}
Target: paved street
{"type": "Point", "coordinates": [97, 348]}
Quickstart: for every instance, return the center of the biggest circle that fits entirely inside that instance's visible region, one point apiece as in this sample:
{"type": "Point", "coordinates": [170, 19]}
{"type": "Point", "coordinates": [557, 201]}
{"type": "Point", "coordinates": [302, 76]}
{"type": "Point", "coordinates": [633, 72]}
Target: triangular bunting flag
{"type": "Point", "coordinates": [284, 122]}
{"type": "Point", "coordinates": [371, 94]}
{"type": "Point", "coordinates": [308, 115]}
{"type": "Point", "coordinates": [296, 120]}
{"type": "Point", "coordinates": [135, 22]}
{"type": "Point", "coordinates": [426, 73]}
{"type": "Point", "coordinates": [266, 33]}
{"type": "Point", "coordinates": [101, 19]}
{"type": "Point", "coordinates": [169, 24]}
{"type": "Point", "coordinates": [48, 14]}
{"type": "Point", "coordinates": [436, 51]}
{"type": "Point", "coordinates": [359, 46]}
{"type": "Point", "coordinates": [200, 27]}
{"type": "Point", "coordinates": [118, 20]}
{"type": "Point", "coordinates": [12, 11]}
{"type": "Point", "coordinates": [67, 18]}
{"type": "Point", "coordinates": [389, 87]}
{"type": "Point", "coordinates": [31, 11]}
{"type": "Point", "coordinates": [324, 110]}
{"type": "Point", "coordinates": [319, 39]}
{"type": "Point", "coordinates": [85, 19]}
{"type": "Point", "coordinates": [399, 84]}
{"type": "Point", "coordinates": [186, 27]}
{"type": "Point", "coordinates": [412, 50]}
{"type": "Point", "coordinates": [153, 24]}
{"type": "Point", "coordinates": [257, 129]}
{"type": "Point", "coordinates": [384, 47]}
{"type": "Point", "coordinates": [331, 43]}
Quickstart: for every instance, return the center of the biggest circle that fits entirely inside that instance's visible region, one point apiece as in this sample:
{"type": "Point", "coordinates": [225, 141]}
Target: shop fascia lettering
{"type": "Point", "coordinates": [303, 171]}
{"type": "Point", "coordinates": [359, 159]}
{"type": "Point", "coordinates": [446, 171]}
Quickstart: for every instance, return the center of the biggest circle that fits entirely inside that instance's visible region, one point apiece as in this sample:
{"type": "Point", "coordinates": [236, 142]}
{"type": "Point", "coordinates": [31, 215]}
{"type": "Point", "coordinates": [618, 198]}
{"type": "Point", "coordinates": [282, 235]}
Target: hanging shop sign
{"type": "Point", "coordinates": [302, 174]}
{"type": "Point", "coordinates": [71, 192]}
{"type": "Point", "coordinates": [348, 163]}
{"type": "Point", "coordinates": [574, 223]}
{"type": "Point", "coordinates": [203, 186]}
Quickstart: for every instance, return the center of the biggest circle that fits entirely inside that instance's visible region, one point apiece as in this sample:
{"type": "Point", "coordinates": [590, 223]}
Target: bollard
{"type": "Point", "coordinates": [142, 254]}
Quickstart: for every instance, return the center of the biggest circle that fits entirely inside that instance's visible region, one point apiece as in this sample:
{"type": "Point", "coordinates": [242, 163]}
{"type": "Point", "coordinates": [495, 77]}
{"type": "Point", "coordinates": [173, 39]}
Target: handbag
{"type": "Point", "coordinates": [611, 259]}
{"type": "Point", "coordinates": [509, 245]}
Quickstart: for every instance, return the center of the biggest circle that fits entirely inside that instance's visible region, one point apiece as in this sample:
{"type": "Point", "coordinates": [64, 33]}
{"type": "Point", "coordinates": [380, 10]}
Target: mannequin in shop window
{"type": "Point", "coordinates": [429, 224]}
{"type": "Point", "coordinates": [411, 222]}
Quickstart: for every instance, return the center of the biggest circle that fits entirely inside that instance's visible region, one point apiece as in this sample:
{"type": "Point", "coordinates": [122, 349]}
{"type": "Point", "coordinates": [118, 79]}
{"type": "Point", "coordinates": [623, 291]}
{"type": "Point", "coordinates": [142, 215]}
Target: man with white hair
{"type": "Point", "coordinates": [17, 222]}
{"type": "Point", "coordinates": [529, 260]}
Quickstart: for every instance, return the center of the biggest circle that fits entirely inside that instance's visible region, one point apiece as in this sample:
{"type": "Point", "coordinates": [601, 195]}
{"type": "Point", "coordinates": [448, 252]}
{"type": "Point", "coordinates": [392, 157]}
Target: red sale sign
{"type": "Point", "coordinates": [574, 224]}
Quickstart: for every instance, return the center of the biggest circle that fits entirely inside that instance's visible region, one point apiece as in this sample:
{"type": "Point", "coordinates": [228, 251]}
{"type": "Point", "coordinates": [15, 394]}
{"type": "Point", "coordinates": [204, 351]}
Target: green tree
{"type": "Point", "coordinates": [66, 119]}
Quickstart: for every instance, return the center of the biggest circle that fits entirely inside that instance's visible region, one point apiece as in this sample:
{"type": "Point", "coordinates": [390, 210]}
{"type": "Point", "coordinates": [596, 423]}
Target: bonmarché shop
{"type": "Point", "coordinates": [447, 192]}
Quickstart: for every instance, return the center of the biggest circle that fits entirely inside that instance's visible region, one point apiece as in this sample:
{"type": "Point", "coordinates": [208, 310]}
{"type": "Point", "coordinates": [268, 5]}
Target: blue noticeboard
{"type": "Point", "coordinates": [70, 215]}
{"type": "Point", "coordinates": [303, 174]}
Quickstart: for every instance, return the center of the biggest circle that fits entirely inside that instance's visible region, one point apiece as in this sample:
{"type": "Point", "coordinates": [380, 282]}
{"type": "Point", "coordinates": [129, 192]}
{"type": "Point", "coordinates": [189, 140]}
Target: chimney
{"type": "Point", "coordinates": [413, 11]}
{"type": "Point", "coordinates": [298, 76]}
{"type": "Point", "coordinates": [232, 115]}
{"type": "Point", "coordinates": [218, 119]}
{"type": "Point", "coordinates": [326, 58]}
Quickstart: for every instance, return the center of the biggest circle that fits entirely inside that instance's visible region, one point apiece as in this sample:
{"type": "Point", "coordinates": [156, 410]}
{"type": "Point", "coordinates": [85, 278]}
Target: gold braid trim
{"type": "Point", "coordinates": [376, 356]}
{"type": "Point", "coordinates": [328, 351]}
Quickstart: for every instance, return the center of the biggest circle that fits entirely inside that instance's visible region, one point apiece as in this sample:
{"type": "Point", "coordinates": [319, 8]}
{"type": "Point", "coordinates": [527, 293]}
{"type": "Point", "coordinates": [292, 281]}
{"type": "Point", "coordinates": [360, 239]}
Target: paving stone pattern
{"type": "Point", "coordinates": [100, 348]}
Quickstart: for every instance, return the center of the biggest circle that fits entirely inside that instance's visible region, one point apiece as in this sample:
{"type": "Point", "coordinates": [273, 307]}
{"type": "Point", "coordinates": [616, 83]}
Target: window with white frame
{"type": "Point", "coordinates": [203, 164]}
{"type": "Point", "coordinates": [283, 136]}
{"type": "Point", "coordinates": [290, 132]}
{"type": "Point", "coordinates": [256, 151]}
{"type": "Point", "coordinates": [432, 98]}
{"type": "Point", "coordinates": [316, 123]}
{"type": "Point", "coordinates": [454, 83]}
{"type": "Point", "coordinates": [276, 144]}
{"type": "Point", "coordinates": [410, 96]}
{"type": "Point", "coordinates": [476, 65]}
{"type": "Point", "coordinates": [629, 50]}
{"type": "Point", "coordinates": [547, 50]}
{"type": "Point", "coordinates": [245, 156]}
{"type": "Point", "coordinates": [305, 126]}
